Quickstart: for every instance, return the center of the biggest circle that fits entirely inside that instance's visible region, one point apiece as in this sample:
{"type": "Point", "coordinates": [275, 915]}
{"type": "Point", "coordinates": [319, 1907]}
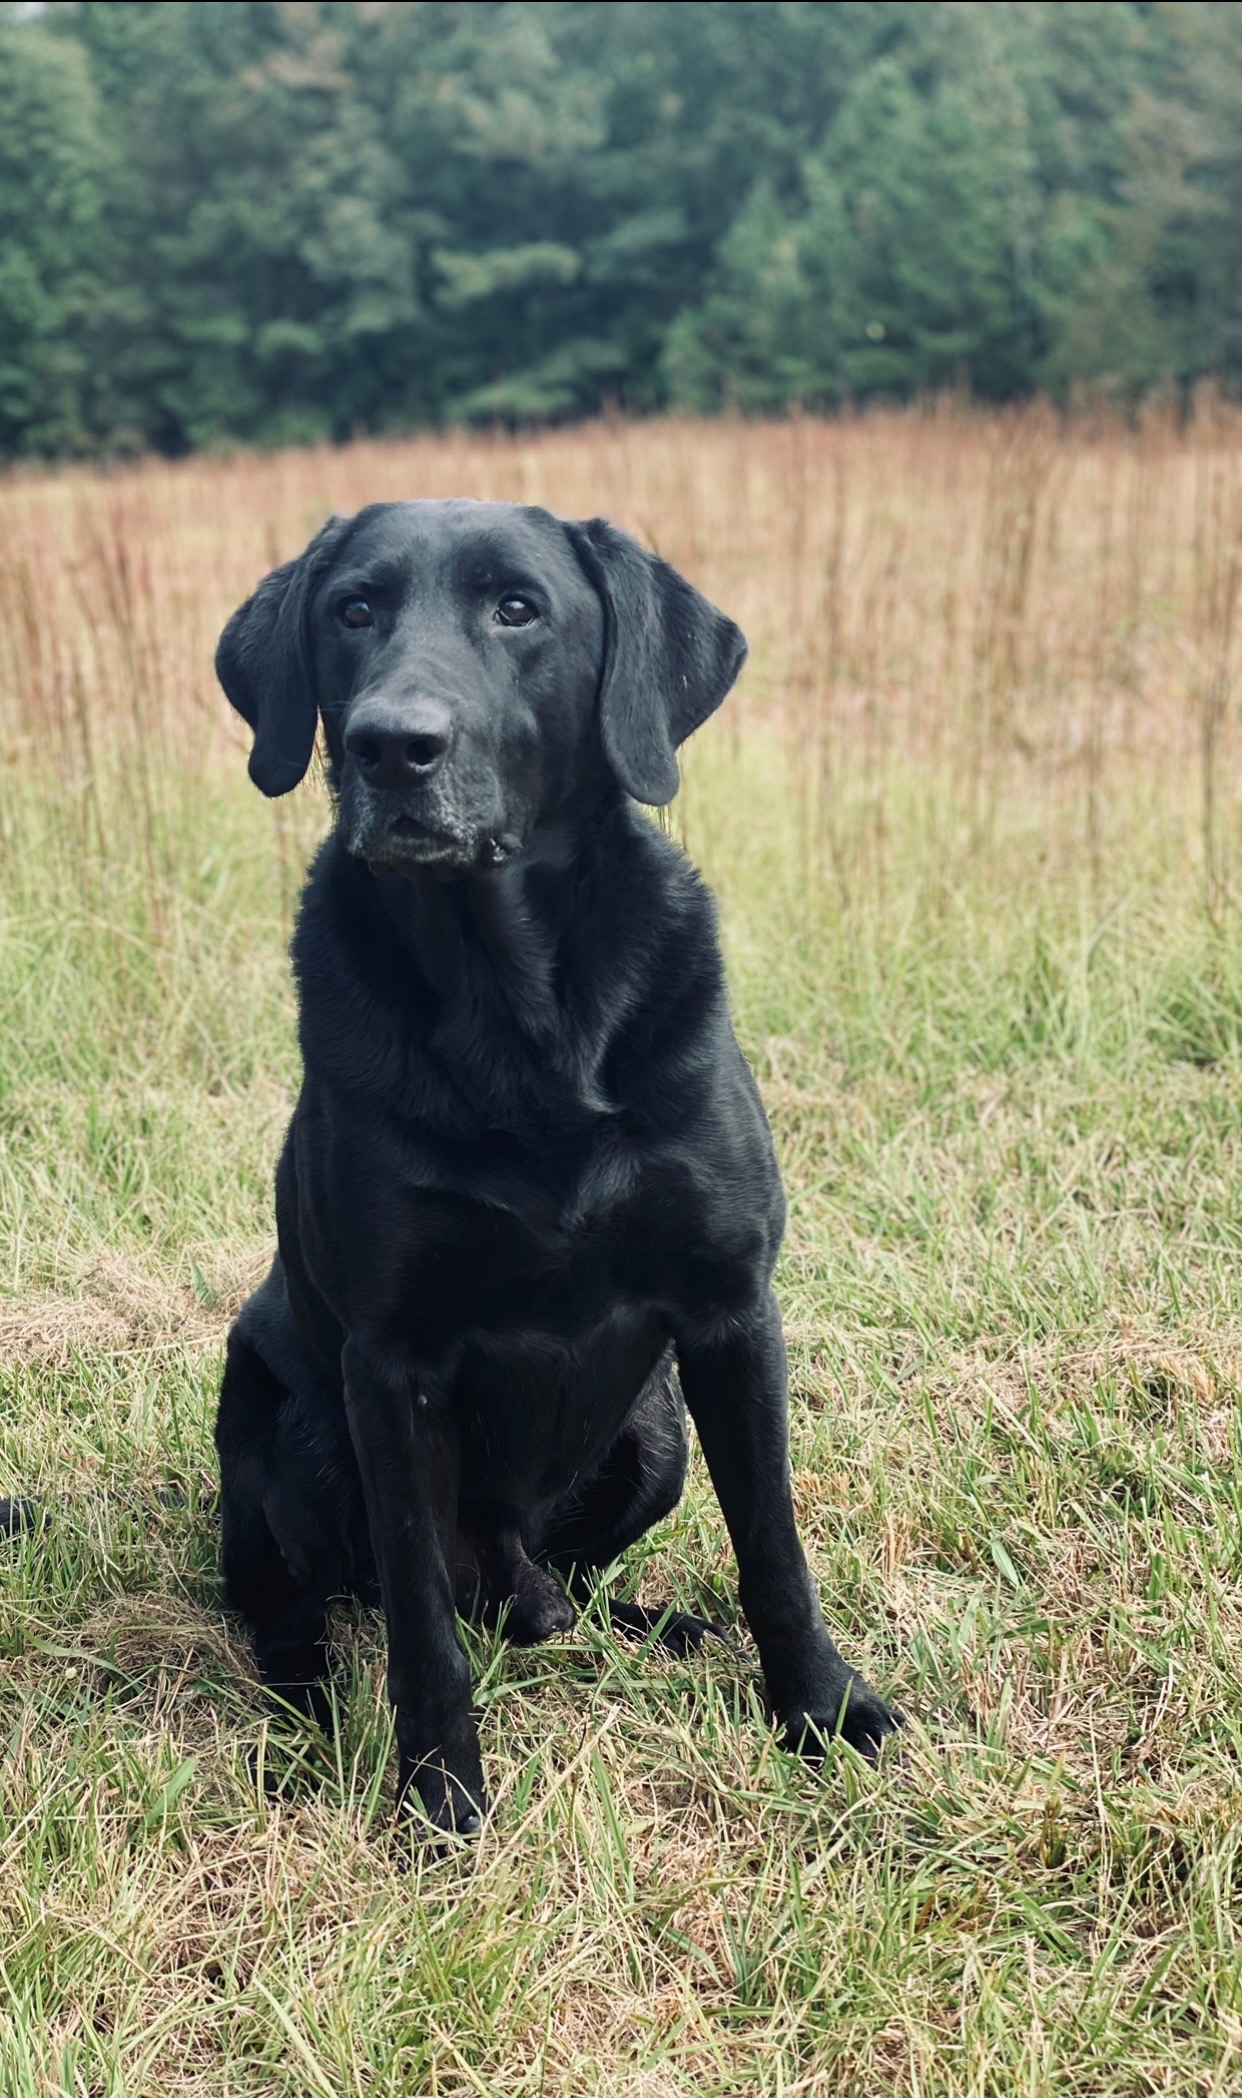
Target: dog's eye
{"type": "Point", "coordinates": [356, 612]}
{"type": "Point", "coordinates": [515, 611]}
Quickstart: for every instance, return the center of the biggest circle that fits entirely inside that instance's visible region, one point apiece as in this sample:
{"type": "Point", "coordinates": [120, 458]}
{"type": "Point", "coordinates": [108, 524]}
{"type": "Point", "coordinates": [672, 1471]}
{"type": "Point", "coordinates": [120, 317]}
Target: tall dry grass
{"type": "Point", "coordinates": [1000, 600]}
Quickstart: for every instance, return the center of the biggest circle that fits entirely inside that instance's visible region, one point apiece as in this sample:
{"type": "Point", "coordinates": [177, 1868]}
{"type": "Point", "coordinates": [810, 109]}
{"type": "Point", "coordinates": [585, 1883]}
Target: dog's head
{"type": "Point", "coordinates": [475, 666]}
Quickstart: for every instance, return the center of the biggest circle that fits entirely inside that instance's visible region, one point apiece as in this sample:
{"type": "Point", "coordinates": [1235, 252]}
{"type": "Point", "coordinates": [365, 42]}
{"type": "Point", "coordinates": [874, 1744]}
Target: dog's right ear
{"type": "Point", "coordinates": [263, 662]}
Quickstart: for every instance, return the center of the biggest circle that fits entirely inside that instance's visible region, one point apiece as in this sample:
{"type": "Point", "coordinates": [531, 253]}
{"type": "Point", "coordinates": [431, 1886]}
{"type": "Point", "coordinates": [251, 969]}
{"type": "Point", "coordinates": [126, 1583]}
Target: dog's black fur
{"type": "Point", "coordinates": [528, 1171]}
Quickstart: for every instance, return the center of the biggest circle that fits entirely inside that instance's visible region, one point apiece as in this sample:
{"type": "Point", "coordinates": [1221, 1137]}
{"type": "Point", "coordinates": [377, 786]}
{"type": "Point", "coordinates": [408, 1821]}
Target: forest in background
{"type": "Point", "coordinates": [274, 221]}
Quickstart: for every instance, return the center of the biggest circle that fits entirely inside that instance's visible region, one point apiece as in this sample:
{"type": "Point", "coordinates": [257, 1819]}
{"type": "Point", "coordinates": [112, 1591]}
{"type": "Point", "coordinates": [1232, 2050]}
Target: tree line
{"type": "Point", "coordinates": [277, 220]}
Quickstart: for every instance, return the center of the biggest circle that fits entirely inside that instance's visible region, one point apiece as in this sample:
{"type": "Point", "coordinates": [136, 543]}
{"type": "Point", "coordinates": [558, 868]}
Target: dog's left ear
{"type": "Point", "coordinates": [263, 662]}
{"type": "Point", "coordinates": [669, 658]}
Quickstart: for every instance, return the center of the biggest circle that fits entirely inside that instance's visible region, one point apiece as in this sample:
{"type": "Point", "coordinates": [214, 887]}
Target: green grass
{"type": "Point", "coordinates": [1003, 1074]}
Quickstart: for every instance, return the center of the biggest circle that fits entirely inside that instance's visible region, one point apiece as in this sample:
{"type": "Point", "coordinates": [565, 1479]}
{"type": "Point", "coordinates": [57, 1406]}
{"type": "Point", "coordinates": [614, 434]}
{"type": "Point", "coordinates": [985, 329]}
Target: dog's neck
{"type": "Point", "coordinates": [510, 958]}
{"type": "Point", "coordinates": [503, 922]}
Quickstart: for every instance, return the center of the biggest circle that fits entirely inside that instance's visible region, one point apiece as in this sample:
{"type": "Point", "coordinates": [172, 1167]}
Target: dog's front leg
{"type": "Point", "coordinates": [409, 1460]}
{"type": "Point", "coordinates": [735, 1380]}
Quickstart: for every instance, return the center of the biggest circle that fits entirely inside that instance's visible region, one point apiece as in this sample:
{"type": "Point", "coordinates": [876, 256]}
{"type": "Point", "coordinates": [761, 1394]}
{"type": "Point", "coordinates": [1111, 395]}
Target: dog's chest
{"type": "Point", "coordinates": [537, 1409]}
{"type": "Point", "coordinates": [569, 1238]}
{"type": "Point", "coordinates": [499, 1237]}
{"type": "Point", "coordinates": [547, 1256]}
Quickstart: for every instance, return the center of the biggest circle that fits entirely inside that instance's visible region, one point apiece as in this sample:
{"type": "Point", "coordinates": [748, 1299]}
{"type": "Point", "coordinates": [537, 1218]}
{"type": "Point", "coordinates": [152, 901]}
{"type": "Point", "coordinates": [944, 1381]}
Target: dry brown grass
{"type": "Point", "coordinates": [967, 585]}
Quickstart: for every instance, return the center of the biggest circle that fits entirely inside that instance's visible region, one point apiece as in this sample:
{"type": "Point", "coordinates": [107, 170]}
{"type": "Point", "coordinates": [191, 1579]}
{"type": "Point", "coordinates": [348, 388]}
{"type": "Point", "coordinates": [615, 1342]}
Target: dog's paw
{"type": "Point", "coordinates": [311, 1701]}
{"type": "Point", "coordinates": [862, 1719]}
{"type": "Point", "coordinates": [300, 1693]}
{"type": "Point", "coordinates": [539, 1610]}
{"type": "Point", "coordinates": [675, 1630]}
{"type": "Point", "coordinates": [683, 1634]}
{"type": "Point", "coordinates": [433, 1801]}
{"type": "Point", "coordinates": [440, 1789]}
{"type": "Point", "coordinates": [17, 1517]}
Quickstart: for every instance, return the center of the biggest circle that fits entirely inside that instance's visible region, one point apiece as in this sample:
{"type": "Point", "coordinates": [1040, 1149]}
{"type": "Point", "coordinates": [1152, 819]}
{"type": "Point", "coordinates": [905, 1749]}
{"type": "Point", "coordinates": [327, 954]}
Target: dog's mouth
{"type": "Point", "coordinates": [440, 831]}
{"type": "Point", "coordinates": [408, 842]}
{"type": "Point", "coordinates": [404, 827]}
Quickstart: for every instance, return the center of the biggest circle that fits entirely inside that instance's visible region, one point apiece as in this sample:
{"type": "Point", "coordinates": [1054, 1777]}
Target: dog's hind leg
{"type": "Point", "coordinates": [638, 1484]}
{"type": "Point", "coordinates": [495, 1576]}
{"type": "Point", "coordinates": [279, 1564]}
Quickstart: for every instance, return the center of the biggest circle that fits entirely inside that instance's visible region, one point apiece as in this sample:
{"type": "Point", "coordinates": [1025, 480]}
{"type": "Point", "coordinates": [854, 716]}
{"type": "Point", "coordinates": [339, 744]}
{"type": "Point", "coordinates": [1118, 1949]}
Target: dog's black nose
{"type": "Point", "coordinates": [397, 746]}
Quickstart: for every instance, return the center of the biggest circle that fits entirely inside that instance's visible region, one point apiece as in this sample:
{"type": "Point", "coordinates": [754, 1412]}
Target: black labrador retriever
{"type": "Point", "coordinates": [528, 1197]}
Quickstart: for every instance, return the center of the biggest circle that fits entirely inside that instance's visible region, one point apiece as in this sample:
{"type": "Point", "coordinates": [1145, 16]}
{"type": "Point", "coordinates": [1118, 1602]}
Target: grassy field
{"type": "Point", "coordinates": [972, 820]}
